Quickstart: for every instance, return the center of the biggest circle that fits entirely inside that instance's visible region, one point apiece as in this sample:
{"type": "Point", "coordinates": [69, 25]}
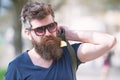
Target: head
{"type": "Point", "coordinates": [40, 27]}
{"type": "Point", "coordinates": [35, 10]}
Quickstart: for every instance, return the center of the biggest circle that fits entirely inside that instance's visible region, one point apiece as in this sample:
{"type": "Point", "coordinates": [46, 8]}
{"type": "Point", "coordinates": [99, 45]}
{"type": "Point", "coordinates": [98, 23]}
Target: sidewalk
{"type": "Point", "coordinates": [92, 72]}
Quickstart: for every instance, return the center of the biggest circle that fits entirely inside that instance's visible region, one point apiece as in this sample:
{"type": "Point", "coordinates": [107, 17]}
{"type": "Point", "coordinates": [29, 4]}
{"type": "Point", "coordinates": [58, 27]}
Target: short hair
{"type": "Point", "coordinates": [35, 10]}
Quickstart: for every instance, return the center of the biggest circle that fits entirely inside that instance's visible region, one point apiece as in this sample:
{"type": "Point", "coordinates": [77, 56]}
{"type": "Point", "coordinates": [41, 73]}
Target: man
{"type": "Point", "coordinates": [47, 60]}
{"type": "Point", "coordinates": [106, 65]}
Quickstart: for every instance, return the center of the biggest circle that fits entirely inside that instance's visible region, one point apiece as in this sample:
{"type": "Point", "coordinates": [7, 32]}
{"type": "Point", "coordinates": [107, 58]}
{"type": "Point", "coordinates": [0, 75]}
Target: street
{"type": "Point", "coordinates": [92, 72]}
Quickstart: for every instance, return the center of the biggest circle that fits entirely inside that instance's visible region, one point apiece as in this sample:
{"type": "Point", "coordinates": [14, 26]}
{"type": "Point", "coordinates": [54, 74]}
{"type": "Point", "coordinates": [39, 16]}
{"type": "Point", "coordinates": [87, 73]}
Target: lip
{"type": "Point", "coordinates": [49, 40]}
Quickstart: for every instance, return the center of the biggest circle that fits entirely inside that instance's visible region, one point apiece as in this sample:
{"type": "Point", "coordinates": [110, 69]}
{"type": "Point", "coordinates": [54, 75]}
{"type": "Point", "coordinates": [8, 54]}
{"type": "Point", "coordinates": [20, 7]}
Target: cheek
{"type": "Point", "coordinates": [55, 34]}
{"type": "Point", "coordinates": [36, 38]}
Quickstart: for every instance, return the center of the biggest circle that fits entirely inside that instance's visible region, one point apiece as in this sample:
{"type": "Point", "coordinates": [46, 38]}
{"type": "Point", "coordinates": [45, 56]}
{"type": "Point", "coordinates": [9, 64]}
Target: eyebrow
{"type": "Point", "coordinates": [46, 25]}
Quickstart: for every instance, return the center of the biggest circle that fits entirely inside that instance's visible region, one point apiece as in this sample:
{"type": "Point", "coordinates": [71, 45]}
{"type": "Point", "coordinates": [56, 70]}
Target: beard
{"type": "Point", "coordinates": [48, 48]}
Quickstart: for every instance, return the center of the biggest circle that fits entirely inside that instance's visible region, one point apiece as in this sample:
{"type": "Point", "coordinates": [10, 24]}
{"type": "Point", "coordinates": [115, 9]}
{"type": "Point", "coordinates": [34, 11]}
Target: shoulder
{"type": "Point", "coordinates": [13, 72]}
{"type": "Point", "coordinates": [18, 60]}
{"type": "Point", "coordinates": [67, 54]}
{"type": "Point", "coordinates": [75, 47]}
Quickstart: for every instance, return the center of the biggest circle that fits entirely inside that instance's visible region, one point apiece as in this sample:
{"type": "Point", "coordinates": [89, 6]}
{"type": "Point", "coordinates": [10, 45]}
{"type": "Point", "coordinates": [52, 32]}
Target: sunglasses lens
{"type": "Point", "coordinates": [39, 31]}
{"type": "Point", "coordinates": [52, 27]}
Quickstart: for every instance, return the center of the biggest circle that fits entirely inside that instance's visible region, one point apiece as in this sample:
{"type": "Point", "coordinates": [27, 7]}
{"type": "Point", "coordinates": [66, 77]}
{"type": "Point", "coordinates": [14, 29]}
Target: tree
{"type": "Point", "coordinates": [17, 6]}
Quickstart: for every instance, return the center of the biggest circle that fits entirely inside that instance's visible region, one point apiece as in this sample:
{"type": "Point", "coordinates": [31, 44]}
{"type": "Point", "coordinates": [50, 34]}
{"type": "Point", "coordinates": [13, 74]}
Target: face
{"type": "Point", "coordinates": [43, 24]}
{"type": "Point", "coordinates": [44, 39]}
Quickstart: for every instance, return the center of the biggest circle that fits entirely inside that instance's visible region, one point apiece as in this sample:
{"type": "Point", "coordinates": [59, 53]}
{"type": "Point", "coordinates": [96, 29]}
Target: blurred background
{"type": "Point", "coordinates": [99, 15]}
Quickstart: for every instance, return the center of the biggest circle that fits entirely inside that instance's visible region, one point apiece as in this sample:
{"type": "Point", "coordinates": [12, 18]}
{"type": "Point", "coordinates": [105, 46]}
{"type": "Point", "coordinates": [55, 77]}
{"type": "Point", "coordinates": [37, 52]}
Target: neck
{"type": "Point", "coordinates": [38, 60]}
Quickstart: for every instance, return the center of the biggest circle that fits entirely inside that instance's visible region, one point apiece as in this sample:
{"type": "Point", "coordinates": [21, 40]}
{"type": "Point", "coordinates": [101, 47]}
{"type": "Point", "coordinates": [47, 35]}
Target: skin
{"type": "Point", "coordinates": [95, 44]}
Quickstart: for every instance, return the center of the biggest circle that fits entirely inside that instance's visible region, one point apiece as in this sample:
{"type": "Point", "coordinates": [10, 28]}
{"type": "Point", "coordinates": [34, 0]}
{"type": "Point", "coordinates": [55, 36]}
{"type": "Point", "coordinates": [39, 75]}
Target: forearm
{"type": "Point", "coordinates": [93, 37]}
{"type": "Point", "coordinates": [94, 44]}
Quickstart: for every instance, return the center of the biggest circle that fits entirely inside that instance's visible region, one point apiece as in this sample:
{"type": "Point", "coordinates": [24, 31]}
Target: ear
{"type": "Point", "coordinates": [27, 34]}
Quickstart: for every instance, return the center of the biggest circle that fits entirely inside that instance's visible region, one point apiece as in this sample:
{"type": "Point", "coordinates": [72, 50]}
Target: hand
{"type": "Point", "coordinates": [61, 33]}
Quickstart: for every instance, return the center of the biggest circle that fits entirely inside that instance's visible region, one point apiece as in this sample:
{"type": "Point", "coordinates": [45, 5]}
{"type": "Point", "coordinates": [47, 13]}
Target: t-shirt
{"type": "Point", "coordinates": [22, 68]}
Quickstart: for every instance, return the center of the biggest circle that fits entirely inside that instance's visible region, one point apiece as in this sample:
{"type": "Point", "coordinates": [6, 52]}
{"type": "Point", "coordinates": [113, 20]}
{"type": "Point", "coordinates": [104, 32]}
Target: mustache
{"type": "Point", "coordinates": [49, 50]}
{"type": "Point", "coordinates": [50, 37]}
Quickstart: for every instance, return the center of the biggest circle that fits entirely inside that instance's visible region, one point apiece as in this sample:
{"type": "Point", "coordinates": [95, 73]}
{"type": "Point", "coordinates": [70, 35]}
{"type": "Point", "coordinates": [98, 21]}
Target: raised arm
{"type": "Point", "coordinates": [94, 43]}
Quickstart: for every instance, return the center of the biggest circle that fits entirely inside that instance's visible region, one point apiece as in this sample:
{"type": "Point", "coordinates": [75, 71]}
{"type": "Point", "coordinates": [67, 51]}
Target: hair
{"type": "Point", "coordinates": [35, 10]}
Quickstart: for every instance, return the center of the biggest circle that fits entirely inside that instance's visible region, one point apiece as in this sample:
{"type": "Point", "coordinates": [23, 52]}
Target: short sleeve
{"type": "Point", "coordinates": [12, 73]}
{"type": "Point", "coordinates": [76, 46]}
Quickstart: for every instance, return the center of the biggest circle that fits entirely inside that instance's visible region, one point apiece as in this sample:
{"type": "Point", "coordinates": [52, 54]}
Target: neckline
{"type": "Point", "coordinates": [30, 61]}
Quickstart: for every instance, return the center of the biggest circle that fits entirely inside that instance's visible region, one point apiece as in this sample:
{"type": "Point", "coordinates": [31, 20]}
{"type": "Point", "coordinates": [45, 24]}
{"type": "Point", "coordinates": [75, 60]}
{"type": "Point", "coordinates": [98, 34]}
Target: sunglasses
{"type": "Point", "coordinates": [40, 31]}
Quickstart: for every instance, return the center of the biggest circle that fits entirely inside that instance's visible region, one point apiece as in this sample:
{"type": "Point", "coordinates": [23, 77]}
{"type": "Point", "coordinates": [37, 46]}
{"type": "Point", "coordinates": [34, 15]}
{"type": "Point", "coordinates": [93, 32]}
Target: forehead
{"type": "Point", "coordinates": [41, 22]}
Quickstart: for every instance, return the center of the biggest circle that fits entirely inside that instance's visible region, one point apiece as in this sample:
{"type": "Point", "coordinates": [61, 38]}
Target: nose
{"type": "Point", "coordinates": [47, 33]}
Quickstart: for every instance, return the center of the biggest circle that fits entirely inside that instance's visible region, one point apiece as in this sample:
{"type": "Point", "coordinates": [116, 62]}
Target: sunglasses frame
{"type": "Point", "coordinates": [44, 29]}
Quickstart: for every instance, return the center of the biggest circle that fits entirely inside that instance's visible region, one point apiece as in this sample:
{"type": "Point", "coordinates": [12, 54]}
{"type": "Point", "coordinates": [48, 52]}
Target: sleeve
{"type": "Point", "coordinates": [75, 46]}
{"type": "Point", "coordinates": [12, 73]}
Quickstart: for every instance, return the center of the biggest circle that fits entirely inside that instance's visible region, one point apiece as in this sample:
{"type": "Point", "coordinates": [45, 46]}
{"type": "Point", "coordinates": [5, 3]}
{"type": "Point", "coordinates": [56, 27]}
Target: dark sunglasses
{"type": "Point", "coordinates": [39, 31]}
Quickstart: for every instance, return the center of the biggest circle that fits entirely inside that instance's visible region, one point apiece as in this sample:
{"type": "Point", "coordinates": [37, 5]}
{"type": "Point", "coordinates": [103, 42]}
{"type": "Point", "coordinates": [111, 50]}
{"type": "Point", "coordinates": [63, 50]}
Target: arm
{"type": "Point", "coordinates": [94, 44]}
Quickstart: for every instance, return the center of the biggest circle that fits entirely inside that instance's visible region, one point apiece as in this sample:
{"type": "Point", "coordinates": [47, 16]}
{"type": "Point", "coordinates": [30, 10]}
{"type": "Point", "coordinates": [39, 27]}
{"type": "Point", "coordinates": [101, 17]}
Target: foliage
{"type": "Point", "coordinates": [2, 73]}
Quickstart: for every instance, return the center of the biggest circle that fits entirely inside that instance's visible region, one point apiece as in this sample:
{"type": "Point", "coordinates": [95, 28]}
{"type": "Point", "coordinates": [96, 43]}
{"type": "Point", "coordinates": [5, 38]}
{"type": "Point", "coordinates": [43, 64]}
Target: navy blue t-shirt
{"type": "Point", "coordinates": [22, 68]}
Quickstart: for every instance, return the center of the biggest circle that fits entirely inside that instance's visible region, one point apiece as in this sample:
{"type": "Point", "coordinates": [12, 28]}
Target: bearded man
{"type": "Point", "coordinates": [47, 60]}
